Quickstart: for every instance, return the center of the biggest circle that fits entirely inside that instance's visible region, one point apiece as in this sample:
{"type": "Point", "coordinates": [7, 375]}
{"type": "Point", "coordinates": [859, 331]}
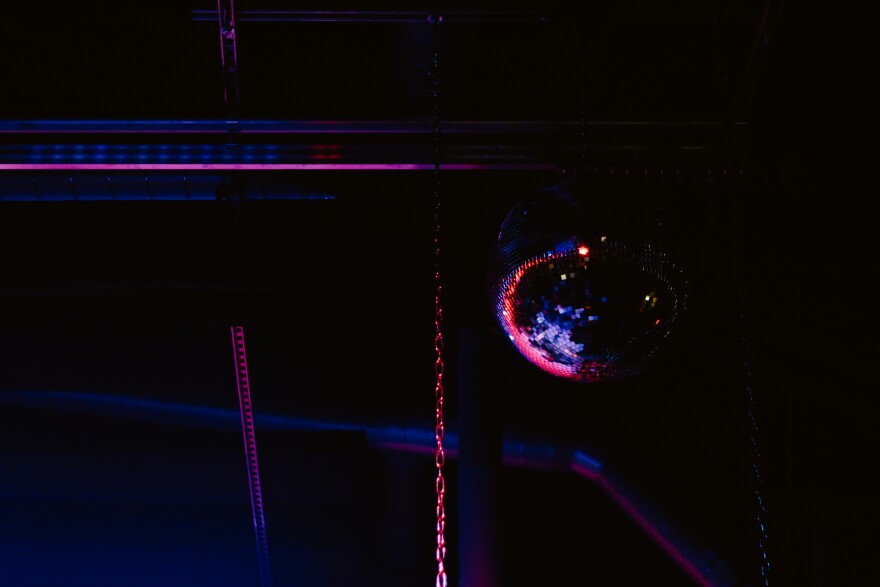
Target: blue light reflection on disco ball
{"type": "Point", "coordinates": [579, 303]}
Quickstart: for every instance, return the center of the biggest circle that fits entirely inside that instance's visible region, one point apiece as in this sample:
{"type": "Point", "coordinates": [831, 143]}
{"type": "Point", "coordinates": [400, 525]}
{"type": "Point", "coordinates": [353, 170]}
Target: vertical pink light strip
{"type": "Point", "coordinates": [250, 450]}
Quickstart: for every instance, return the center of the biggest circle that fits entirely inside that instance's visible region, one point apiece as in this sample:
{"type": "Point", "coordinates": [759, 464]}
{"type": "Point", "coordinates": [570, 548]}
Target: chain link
{"type": "Point", "coordinates": [751, 403]}
{"type": "Point", "coordinates": [761, 509]}
{"type": "Point", "coordinates": [439, 427]}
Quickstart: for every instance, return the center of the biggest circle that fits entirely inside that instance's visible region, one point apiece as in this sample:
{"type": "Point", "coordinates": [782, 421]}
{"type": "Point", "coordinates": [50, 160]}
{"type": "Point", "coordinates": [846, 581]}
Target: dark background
{"type": "Point", "coordinates": [742, 141]}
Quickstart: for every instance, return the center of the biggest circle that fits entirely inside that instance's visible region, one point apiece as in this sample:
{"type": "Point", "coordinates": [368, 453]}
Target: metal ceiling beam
{"type": "Point", "coordinates": [373, 16]}
{"type": "Point", "coordinates": [702, 16]}
{"type": "Point", "coordinates": [179, 145]}
{"type": "Point", "coordinates": [353, 127]}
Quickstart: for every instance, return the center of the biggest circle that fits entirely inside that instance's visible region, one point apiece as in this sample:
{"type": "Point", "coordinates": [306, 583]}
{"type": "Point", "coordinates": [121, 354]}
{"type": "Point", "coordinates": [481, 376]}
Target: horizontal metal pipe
{"type": "Point", "coordinates": [354, 127]}
{"type": "Point", "coordinates": [701, 16]}
{"type": "Point", "coordinates": [369, 16]}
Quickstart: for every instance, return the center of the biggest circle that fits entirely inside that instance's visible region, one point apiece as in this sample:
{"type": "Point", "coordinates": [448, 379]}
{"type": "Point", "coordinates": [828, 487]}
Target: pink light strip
{"type": "Point", "coordinates": [272, 166]}
{"type": "Point", "coordinates": [647, 527]}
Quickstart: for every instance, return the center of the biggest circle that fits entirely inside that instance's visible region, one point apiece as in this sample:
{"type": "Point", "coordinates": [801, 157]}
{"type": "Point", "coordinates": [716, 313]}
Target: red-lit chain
{"type": "Point", "coordinates": [439, 431]}
{"type": "Point", "coordinates": [439, 428]}
{"type": "Point", "coordinates": [250, 450]}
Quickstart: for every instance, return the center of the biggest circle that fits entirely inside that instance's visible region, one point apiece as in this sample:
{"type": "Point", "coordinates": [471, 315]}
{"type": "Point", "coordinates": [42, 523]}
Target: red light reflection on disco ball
{"type": "Point", "coordinates": [579, 305]}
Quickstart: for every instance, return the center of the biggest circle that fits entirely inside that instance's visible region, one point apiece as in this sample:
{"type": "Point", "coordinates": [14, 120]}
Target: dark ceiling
{"type": "Point", "coordinates": [141, 217]}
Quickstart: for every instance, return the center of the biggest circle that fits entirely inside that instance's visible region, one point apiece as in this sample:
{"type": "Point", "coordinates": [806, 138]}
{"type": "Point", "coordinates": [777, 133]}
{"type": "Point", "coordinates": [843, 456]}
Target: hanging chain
{"type": "Point", "coordinates": [761, 512]}
{"type": "Point", "coordinates": [439, 426]}
{"type": "Point", "coordinates": [250, 451]}
{"type": "Point", "coordinates": [751, 407]}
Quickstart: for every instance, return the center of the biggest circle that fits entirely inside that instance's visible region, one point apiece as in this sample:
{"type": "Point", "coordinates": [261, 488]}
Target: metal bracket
{"type": "Point", "coordinates": [228, 55]}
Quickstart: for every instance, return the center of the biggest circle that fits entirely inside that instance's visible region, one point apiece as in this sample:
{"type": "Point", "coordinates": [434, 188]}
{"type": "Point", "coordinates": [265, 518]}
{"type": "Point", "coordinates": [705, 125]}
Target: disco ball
{"type": "Point", "coordinates": [580, 302]}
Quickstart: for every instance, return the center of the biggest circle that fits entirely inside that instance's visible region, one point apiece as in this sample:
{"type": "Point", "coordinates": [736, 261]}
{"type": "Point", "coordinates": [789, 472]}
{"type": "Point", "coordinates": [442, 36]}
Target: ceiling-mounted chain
{"type": "Point", "coordinates": [439, 425]}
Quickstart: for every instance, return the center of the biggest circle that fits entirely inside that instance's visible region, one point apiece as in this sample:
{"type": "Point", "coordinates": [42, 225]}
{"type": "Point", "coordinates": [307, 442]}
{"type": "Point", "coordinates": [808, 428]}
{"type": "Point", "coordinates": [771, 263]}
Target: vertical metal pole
{"type": "Point", "coordinates": [479, 461]}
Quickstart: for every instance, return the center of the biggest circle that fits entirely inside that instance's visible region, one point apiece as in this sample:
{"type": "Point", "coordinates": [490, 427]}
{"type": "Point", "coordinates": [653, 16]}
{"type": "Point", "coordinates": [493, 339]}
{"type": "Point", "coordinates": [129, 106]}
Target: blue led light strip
{"type": "Point", "coordinates": [250, 450]}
